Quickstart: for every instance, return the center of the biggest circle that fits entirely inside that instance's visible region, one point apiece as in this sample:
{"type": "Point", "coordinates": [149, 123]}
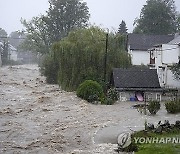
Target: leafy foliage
{"type": "Point", "coordinates": [81, 56]}
{"type": "Point", "coordinates": [49, 68]}
{"type": "Point", "coordinates": [112, 93]}
{"type": "Point", "coordinates": [176, 70]}
{"type": "Point", "coordinates": [3, 34]}
{"type": "Point", "coordinates": [173, 106]}
{"type": "Point", "coordinates": [178, 20]}
{"type": "Point", "coordinates": [111, 97]}
{"type": "Point", "coordinates": [157, 17]}
{"type": "Point", "coordinates": [62, 17]}
{"type": "Point", "coordinates": [4, 53]}
{"type": "Point", "coordinates": [153, 107]}
{"type": "Point", "coordinates": [107, 101]}
{"type": "Point", "coordinates": [90, 90]}
{"type": "Point", "coordinates": [150, 148]}
{"type": "Point", "coordinates": [16, 38]}
{"type": "Point", "coordinates": [37, 38]}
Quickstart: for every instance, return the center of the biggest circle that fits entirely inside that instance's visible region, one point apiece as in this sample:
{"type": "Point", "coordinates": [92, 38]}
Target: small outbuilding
{"type": "Point", "coordinates": [136, 84]}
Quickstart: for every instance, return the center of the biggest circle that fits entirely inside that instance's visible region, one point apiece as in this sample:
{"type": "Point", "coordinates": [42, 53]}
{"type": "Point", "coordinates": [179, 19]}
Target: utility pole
{"type": "Point", "coordinates": [105, 58]}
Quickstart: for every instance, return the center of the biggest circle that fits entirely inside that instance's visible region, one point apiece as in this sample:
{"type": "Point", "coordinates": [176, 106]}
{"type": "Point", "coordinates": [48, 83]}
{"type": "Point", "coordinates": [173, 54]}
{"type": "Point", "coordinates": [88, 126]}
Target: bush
{"type": "Point", "coordinates": [107, 101]}
{"type": "Point", "coordinates": [173, 106]}
{"type": "Point", "coordinates": [90, 90]}
{"type": "Point", "coordinates": [50, 68]}
{"type": "Point", "coordinates": [153, 107]}
{"type": "Point", "coordinates": [112, 94]}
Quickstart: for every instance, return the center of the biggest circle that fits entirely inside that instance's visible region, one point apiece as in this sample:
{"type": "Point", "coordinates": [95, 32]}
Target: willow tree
{"type": "Point", "coordinates": [81, 56]}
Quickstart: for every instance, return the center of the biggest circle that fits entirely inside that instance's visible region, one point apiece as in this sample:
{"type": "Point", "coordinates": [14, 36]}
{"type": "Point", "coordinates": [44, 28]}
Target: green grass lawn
{"type": "Point", "coordinates": [158, 148]}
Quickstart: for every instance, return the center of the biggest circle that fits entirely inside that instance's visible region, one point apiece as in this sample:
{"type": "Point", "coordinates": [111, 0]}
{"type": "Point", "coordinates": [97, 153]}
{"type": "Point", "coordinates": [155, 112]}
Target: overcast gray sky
{"type": "Point", "coordinates": [104, 13]}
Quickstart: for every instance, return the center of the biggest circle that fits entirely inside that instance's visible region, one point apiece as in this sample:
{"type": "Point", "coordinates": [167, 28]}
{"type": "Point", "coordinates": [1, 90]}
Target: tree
{"type": "Point", "coordinates": [176, 70]}
{"type": "Point", "coordinates": [157, 17]}
{"type": "Point", "coordinates": [16, 38]}
{"type": "Point", "coordinates": [178, 20]}
{"type": "Point", "coordinates": [4, 54]}
{"type": "Point", "coordinates": [3, 46]}
{"type": "Point", "coordinates": [3, 35]}
{"type": "Point", "coordinates": [122, 28]}
{"type": "Point", "coordinates": [81, 56]}
{"type": "Point", "coordinates": [62, 17]}
{"type": "Point", "coordinates": [36, 37]}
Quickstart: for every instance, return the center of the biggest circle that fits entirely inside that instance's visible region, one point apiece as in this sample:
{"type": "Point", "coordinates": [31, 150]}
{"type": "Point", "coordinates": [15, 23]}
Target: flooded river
{"type": "Point", "coordinates": [39, 118]}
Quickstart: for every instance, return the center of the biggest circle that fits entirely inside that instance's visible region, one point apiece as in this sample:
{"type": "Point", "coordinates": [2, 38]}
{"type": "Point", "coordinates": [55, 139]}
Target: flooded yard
{"type": "Point", "coordinates": [39, 118]}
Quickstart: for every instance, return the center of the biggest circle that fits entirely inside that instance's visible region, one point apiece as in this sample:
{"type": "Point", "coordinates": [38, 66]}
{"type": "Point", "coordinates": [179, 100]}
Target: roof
{"type": "Point", "coordinates": [135, 78]}
{"type": "Point", "coordinates": [144, 42]}
{"type": "Point", "coordinates": [175, 41]}
{"type": "Point", "coordinates": [12, 48]}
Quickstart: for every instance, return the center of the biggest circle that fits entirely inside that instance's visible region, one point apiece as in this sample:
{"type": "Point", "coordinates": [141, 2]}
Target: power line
{"type": "Point", "coordinates": [165, 49]}
{"type": "Point", "coordinates": [170, 49]}
{"type": "Point", "coordinates": [5, 37]}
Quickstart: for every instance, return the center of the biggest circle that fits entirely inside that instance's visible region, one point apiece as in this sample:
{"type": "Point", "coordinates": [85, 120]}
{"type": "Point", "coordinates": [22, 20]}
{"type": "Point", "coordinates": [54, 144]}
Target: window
{"type": "Point", "coordinates": [150, 97]}
{"type": "Point", "coordinates": [158, 97]}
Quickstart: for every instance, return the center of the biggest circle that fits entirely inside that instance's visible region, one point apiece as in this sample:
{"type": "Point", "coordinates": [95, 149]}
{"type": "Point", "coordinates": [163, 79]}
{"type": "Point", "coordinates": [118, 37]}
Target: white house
{"type": "Point", "coordinates": [162, 57]}
{"type": "Point", "coordinates": [12, 52]}
{"type": "Point", "coordinates": [13, 55]}
{"type": "Point", "coordinates": [138, 45]}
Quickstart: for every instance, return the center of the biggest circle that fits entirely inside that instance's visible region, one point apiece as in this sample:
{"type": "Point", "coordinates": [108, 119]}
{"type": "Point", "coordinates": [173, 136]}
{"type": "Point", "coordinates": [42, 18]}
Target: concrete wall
{"type": "Point", "coordinates": [139, 57]}
{"type": "Point", "coordinates": [171, 81]}
{"type": "Point", "coordinates": [165, 56]}
{"type": "Point", "coordinates": [170, 54]}
{"type": "Point", "coordinates": [13, 55]}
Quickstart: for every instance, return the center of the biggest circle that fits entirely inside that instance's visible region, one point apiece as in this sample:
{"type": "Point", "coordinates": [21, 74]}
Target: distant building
{"type": "Point", "coordinates": [162, 57]}
{"type": "Point", "coordinates": [138, 45]}
{"type": "Point", "coordinates": [12, 52]}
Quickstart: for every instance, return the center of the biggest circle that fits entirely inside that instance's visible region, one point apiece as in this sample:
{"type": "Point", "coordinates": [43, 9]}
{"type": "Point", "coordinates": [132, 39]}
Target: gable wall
{"type": "Point", "coordinates": [166, 56]}
{"type": "Point", "coordinates": [139, 57]}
